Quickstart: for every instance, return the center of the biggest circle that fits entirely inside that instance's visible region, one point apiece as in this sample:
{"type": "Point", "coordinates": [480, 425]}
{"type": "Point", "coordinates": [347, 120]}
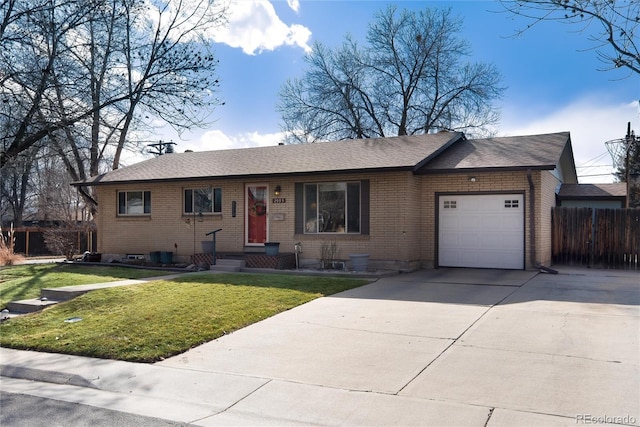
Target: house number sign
{"type": "Point", "coordinates": [278, 200]}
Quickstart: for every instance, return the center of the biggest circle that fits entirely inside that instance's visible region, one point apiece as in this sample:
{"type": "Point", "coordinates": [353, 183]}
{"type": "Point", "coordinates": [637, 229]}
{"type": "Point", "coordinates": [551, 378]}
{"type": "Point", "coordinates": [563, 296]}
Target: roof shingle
{"type": "Point", "coordinates": [440, 152]}
{"type": "Point", "coordinates": [532, 151]}
{"type": "Point", "coordinates": [403, 152]}
{"type": "Point", "coordinates": [591, 191]}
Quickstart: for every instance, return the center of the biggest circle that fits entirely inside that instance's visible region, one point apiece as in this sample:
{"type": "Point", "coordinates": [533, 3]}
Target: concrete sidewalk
{"type": "Point", "coordinates": [434, 347]}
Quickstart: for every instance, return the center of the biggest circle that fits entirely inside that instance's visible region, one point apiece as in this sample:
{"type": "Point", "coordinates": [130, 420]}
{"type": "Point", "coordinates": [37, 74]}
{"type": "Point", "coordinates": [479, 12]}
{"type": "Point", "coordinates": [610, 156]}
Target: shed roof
{"type": "Point", "coordinates": [616, 190]}
{"type": "Point", "coordinates": [512, 152]}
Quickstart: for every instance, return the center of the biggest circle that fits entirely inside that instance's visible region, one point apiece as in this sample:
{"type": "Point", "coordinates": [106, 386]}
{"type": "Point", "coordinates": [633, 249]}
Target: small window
{"type": "Point", "coordinates": [511, 203]}
{"type": "Point", "coordinates": [449, 204]}
{"type": "Point", "coordinates": [134, 202]}
{"type": "Point", "coordinates": [203, 200]}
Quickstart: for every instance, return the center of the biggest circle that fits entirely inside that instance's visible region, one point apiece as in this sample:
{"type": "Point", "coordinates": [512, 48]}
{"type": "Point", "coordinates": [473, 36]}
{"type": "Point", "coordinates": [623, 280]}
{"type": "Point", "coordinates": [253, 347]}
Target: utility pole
{"type": "Point", "coordinates": [629, 139]}
{"type": "Point", "coordinates": [623, 154]}
{"type": "Point", "coordinates": [159, 148]}
{"type": "Point", "coordinates": [631, 145]}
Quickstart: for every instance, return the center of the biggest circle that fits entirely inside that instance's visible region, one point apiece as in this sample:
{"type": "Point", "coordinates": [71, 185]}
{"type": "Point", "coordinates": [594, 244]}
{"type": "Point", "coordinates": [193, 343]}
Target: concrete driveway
{"type": "Point", "coordinates": [442, 347]}
{"type": "Point", "coordinates": [445, 347]}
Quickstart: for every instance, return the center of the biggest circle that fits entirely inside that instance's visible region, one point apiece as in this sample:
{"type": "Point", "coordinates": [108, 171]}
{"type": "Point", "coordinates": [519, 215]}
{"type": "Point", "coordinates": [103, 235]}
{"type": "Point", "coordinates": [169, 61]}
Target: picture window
{"type": "Point", "coordinates": [332, 207]}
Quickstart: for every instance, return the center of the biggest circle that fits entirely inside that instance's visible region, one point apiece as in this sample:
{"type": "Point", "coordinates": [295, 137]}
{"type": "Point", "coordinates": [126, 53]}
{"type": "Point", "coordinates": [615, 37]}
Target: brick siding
{"type": "Point", "coordinates": [402, 222]}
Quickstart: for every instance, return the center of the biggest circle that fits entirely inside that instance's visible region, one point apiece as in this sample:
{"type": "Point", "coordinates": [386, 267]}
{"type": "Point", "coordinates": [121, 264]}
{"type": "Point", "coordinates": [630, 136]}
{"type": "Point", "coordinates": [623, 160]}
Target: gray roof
{"type": "Point", "coordinates": [593, 191]}
{"type": "Point", "coordinates": [403, 152]}
{"type": "Point", "coordinates": [444, 151]}
{"type": "Point", "coordinates": [512, 152]}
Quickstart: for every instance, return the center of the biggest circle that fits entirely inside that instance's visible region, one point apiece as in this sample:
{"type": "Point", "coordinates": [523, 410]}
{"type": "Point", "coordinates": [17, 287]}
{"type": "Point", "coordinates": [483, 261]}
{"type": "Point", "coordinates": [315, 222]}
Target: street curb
{"type": "Point", "coordinates": [44, 376]}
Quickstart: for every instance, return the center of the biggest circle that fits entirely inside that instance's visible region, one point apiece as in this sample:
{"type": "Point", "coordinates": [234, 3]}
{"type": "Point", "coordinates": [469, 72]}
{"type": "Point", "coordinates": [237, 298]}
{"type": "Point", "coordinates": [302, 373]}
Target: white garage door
{"type": "Point", "coordinates": [481, 231]}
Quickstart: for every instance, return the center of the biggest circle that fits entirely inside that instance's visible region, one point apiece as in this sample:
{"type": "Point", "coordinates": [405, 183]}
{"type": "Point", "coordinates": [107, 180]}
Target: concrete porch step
{"type": "Point", "coordinates": [230, 265]}
{"type": "Point", "coordinates": [30, 305]}
{"type": "Point", "coordinates": [62, 294]}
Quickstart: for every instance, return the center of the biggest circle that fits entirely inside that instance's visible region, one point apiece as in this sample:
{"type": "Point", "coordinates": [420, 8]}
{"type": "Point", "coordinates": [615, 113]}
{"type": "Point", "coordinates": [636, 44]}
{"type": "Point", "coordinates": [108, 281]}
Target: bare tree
{"type": "Point", "coordinates": [410, 78]}
{"type": "Point", "coordinates": [36, 185]}
{"type": "Point", "coordinates": [612, 25]}
{"type": "Point", "coordinates": [31, 41]}
{"type": "Point", "coordinates": [15, 189]}
{"type": "Point", "coordinates": [111, 68]}
{"type": "Point", "coordinates": [53, 197]}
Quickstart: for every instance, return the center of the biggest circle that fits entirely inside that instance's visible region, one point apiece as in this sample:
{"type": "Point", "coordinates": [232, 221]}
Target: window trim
{"type": "Point", "coordinates": [365, 214]}
{"type": "Point", "coordinates": [213, 198]}
{"type": "Point", "coordinates": [363, 207]}
{"type": "Point", "coordinates": [144, 205]}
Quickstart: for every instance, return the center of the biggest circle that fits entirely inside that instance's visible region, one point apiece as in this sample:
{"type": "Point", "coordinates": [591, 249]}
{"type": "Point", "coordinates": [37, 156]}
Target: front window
{"type": "Point", "coordinates": [203, 200]}
{"type": "Point", "coordinates": [134, 202]}
{"type": "Point", "coordinates": [332, 207]}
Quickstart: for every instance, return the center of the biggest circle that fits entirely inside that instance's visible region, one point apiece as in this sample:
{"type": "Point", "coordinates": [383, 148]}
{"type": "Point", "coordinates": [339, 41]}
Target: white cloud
{"type": "Point", "coordinates": [217, 140]}
{"type": "Point", "coordinates": [591, 121]}
{"type": "Point", "coordinates": [254, 27]}
{"type": "Point", "coordinates": [294, 4]}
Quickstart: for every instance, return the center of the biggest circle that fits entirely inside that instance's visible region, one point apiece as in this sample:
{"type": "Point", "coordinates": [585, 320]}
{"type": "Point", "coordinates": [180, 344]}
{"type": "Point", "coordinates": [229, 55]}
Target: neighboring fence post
{"type": "Point", "coordinates": [592, 241]}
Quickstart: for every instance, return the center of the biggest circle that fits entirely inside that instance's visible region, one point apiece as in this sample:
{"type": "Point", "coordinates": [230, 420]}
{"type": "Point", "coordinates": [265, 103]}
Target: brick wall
{"type": "Point", "coordinates": [394, 221]}
{"type": "Point", "coordinates": [460, 183]}
{"type": "Point", "coordinates": [402, 222]}
{"type": "Point", "coordinates": [547, 194]}
{"type": "Point", "coordinates": [167, 226]}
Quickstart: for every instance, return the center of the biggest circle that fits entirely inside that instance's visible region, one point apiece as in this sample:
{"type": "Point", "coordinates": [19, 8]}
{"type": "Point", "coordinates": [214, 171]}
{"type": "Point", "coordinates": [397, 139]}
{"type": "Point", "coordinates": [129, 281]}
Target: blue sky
{"type": "Point", "coordinates": [551, 74]}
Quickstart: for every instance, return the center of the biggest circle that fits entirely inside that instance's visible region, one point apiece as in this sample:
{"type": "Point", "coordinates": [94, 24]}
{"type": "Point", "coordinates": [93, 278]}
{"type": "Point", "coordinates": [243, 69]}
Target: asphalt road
{"type": "Point", "coordinates": [25, 411]}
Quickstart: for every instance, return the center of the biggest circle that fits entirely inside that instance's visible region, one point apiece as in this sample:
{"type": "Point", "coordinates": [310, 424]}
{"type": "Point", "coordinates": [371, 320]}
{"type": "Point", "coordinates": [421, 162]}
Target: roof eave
{"type": "Point", "coordinates": [486, 169]}
{"type": "Point", "coordinates": [244, 176]}
{"type": "Point", "coordinates": [603, 198]}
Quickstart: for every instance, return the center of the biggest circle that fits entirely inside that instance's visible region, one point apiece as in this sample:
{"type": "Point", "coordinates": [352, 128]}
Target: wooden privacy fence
{"type": "Point", "coordinates": [608, 238]}
{"type": "Point", "coordinates": [29, 241]}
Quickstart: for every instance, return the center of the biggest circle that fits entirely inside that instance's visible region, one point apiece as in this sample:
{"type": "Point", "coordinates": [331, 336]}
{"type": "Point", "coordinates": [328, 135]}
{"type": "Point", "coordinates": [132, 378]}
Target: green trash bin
{"type": "Point", "coordinates": [166, 257]}
{"type": "Point", "coordinates": [271, 248]}
{"type": "Point", "coordinates": [154, 257]}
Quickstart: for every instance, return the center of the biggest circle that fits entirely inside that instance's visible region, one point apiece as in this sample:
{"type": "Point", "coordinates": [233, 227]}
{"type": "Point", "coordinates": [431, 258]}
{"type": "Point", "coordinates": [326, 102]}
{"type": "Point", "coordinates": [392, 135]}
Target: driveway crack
{"type": "Point", "coordinates": [236, 402]}
{"type": "Point", "coordinates": [456, 339]}
{"type": "Point", "coordinates": [486, 423]}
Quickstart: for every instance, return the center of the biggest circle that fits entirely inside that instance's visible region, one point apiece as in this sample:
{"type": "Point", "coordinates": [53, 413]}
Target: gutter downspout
{"type": "Point", "coordinates": [532, 228]}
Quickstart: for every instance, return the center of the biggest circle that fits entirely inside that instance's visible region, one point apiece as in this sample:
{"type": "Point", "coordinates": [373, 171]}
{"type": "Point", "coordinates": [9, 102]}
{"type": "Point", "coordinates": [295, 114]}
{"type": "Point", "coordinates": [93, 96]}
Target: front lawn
{"type": "Point", "coordinates": [155, 320]}
{"type": "Point", "coordinates": [25, 281]}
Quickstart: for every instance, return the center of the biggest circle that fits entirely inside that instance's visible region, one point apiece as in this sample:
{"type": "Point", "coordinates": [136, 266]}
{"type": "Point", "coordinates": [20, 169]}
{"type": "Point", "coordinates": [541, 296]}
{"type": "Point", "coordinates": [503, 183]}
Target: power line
{"type": "Point", "coordinates": [598, 157]}
{"type": "Point", "coordinates": [599, 174]}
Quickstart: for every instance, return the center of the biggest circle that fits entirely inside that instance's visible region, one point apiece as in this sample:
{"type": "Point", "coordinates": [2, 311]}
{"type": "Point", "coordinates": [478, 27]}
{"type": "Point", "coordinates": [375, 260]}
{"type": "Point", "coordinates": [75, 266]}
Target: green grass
{"type": "Point", "coordinates": [25, 281]}
{"type": "Point", "coordinates": [155, 320]}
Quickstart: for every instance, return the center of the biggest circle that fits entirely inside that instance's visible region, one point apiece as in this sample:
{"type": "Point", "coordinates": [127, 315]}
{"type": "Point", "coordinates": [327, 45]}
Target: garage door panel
{"type": "Point", "coordinates": [450, 223]}
{"type": "Point", "coordinates": [484, 231]}
{"type": "Point", "coordinates": [492, 240]}
{"type": "Point", "coordinates": [470, 241]}
{"type": "Point", "coordinates": [488, 223]}
{"type": "Point", "coordinates": [481, 259]}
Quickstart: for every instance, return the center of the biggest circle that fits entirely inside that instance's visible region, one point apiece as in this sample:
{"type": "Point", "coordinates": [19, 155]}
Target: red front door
{"type": "Point", "coordinates": [256, 214]}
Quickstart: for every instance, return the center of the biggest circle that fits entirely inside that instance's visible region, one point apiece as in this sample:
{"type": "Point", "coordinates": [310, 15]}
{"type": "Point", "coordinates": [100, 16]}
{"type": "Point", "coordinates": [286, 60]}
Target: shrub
{"type": "Point", "coordinates": [7, 241]}
{"type": "Point", "coordinates": [62, 240]}
{"type": "Point", "coordinates": [328, 252]}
